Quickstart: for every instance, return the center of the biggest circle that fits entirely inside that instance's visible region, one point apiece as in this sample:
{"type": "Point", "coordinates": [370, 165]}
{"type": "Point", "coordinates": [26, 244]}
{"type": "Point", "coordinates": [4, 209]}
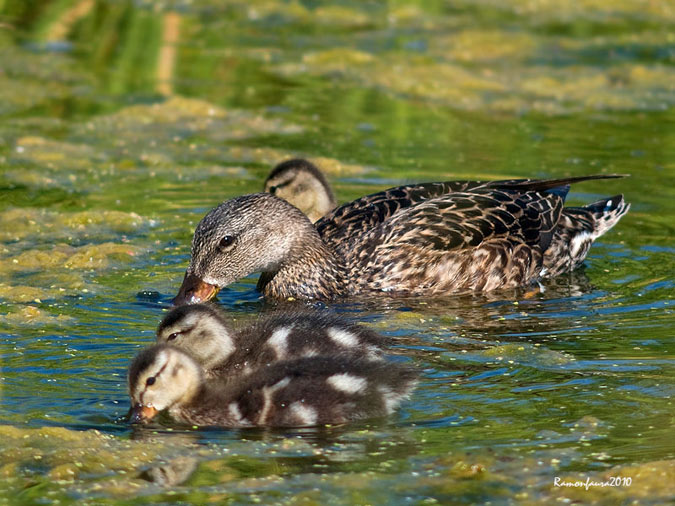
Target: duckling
{"type": "Point", "coordinates": [202, 331]}
{"type": "Point", "coordinates": [301, 183]}
{"type": "Point", "coordinates": [419, 240]}
{"type": "Point", "coordinates": [297, 393]}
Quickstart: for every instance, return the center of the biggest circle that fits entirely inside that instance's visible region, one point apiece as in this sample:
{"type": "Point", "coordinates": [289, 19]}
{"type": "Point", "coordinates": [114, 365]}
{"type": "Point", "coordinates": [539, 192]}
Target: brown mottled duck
{"type": "Point", "coordinates": [416, 240]}
{"type": "Point", "coordinates": [296, 393]}
{"type": "Point", "coordinates": [202, 331]}
{"type": "Point", "coordinates": [301, 183]}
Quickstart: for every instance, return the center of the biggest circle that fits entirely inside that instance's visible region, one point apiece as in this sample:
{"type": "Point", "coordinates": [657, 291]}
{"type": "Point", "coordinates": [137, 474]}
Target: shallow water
{"type": "Point", "coordinates": [113, 145]}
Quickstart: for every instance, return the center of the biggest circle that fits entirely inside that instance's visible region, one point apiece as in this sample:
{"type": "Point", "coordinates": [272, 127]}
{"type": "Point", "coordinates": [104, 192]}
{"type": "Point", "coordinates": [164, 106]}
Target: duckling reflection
{"type": "Point", "coordinates": [295, 393]}
{"type": "Point", "coordinates": [302, 184]}
{"type": "Point", "coordinates": [203, 332]}
{"type": "Point", "coordinates": [174, 472]}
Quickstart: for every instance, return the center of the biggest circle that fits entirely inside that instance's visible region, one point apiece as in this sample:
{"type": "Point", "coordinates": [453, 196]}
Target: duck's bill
{"type": "Point", "coordinates": [194, 290]}
{"type": "Point", "coordinates": [142, 414]}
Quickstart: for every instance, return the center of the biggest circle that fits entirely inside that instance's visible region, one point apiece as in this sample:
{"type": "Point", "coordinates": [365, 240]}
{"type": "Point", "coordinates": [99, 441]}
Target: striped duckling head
{"type": "Point", "coordinates": [199, 329]}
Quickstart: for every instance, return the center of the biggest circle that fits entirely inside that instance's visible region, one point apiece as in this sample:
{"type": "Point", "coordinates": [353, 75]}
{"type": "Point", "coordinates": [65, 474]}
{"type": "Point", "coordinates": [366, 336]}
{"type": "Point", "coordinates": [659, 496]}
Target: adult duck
{"type": "Point", "coordinates": [415, 240]}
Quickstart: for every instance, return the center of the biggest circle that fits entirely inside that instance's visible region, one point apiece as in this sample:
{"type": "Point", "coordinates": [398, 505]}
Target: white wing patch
{"type": "Point", "coordinates": [304, 415]}
{"type": "Point", "coordinates": [279, 341]}
{"type": "Point", "coordinates": [347, 383]}
{"type": "Point", "coordinates": [343, 337]}
{"type": "Point", "coordinates": [391, 399]}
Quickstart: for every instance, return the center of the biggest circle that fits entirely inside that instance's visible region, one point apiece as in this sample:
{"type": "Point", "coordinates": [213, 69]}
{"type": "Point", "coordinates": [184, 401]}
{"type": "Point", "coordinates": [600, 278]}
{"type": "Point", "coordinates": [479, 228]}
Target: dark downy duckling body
{"type": "Point", "coordinates": [298, 393]}
{"type": "Point", "coordinates": [428, 239]}
{"type": "Point", "coordinates": [202, 331]}
{"type": "Point", "coordinates": [301, 183]}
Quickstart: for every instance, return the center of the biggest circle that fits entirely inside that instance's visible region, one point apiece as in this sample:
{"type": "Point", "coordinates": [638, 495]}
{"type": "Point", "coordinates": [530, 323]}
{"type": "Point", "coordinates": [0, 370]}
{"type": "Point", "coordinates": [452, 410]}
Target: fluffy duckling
{"type": "Point", "coordinates": [419, 240]}
{"type": "Point", "coordinates": [301, 183]}
{"type": "Point", "coordinates": [202, 331]}
{"type": "Point", "coordinates": [297, 393]}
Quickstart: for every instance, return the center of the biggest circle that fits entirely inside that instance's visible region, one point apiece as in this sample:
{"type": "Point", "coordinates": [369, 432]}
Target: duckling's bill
{"type": "Point", "coordinates": [194, 290]}
{"type": "Point", "coordinates": [142, 414]}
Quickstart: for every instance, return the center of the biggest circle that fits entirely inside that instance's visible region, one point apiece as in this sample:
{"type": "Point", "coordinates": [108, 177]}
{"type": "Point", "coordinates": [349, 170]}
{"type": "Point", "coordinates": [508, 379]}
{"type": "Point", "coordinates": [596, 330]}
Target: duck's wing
{"type": "Point", "coordinates": [475, 240]}
{"type": "Point", "coordinates": [347, 222]}
{"type": "Point", "coordinates": [339, 227]}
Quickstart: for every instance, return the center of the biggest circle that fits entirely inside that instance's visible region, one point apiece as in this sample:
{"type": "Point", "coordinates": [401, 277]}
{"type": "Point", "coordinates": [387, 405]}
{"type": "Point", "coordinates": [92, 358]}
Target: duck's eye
{"type": "Point", "coordinates": [150, 381]}
{"type": "Point", "coordinates": [226, 241]}
{"type": "Point", "coordinates": [172, 336]}
{"type": "Point", "coordinates": [273, 189]}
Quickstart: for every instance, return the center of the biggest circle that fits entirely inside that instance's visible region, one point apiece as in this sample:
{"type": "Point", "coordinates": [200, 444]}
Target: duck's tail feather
{"type": "Point", "coordinates": [607, 213]}
{"type": "Point", "coordinates": [576, 230]}
{"type": "Point", "coordinates": [558, 187]}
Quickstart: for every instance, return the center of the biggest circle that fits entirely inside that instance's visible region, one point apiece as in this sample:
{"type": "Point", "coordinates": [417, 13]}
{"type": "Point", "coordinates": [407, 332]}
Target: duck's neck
{"type": "Point", "coordinates": [313, 271]}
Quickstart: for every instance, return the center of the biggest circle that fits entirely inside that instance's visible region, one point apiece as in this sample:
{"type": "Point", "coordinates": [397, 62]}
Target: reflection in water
{"type": "Point", "coordinates": [174, 472]}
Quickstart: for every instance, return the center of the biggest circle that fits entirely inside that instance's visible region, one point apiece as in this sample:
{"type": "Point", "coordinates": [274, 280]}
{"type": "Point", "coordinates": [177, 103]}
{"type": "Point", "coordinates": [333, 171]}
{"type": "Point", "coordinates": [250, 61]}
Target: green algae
{"type": "Point", "coordinates": [41, 224]}
{"type": "Point", "coordinates": [178, 117]}
{"type": "Point", "coordinates": [30, 315]}
{"type": "Point", "coordinates": [51, 460]}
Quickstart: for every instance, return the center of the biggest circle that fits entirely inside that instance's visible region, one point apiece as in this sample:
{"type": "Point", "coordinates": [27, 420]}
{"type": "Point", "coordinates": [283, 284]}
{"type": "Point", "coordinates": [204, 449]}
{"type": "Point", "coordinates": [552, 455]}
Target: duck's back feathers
{"type": "Point", "coordinates": [436, 238]}
{"type": "Point", "coordinates": [350, 219]}
{"type": "Point", "coordinates": [482, 240]}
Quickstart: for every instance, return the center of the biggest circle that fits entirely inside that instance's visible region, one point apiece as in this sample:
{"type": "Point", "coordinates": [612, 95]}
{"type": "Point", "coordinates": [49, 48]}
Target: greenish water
{"type": "Point", "coordinates": [112, 147]}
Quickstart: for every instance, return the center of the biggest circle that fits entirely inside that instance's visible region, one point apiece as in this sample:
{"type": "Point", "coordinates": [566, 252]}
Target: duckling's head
{"type": "Point", "coordinates": [200, 330]}
{"type": "Point", "coordinates": [302, 184]}
{"type": "Point", "coordinates": [252, 233]}
{"type": "Point", "coordinates": [160, 378]}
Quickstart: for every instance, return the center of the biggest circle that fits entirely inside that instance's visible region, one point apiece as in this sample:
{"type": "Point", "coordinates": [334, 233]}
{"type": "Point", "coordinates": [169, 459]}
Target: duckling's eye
{"type": "Point", "coordinates": [226, 241]}
{"type": "Point", "coordinates": [172, 336]}
{"type": "Point", "coordinates": [150, 381]}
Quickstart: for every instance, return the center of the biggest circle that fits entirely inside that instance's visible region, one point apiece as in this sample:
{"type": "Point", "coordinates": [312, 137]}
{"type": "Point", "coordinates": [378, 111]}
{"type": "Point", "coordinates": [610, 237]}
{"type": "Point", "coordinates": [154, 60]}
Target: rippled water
{"type": "Point", "coordinates": [106, 166]}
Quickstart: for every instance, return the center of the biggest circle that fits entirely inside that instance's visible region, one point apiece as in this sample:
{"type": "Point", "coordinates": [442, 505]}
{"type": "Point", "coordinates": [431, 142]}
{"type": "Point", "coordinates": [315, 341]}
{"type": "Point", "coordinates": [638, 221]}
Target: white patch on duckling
{"type": "Point", "coordinates": [347, 383]}
{"type": "Point", "coordinates": [374, 353]}
{"type": "Point", "coordinates": [304, 415]}
{"type": "Point", "coordinates": [342, 337]}
{"type": "Point", "coordinates": [279, 341]}
{"type": "Point", "coordinates": [268, 392]}
{"type": "Point", "coordinates": [235, 413]}
{"type": "Point", "coordinates": [391, 399]}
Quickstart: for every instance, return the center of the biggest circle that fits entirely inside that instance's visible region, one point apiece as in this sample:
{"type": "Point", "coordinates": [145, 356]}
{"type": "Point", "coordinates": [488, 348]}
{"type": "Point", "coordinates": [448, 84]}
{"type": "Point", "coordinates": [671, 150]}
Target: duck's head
{"type": "Point", "coordinates": [200, 330]}
{"type": "Point", "coordinates": [161, 377]}
{"type": "Point", "coordinates": [252, 233]}
{"type": "Point", "coordinates": [302, 184]}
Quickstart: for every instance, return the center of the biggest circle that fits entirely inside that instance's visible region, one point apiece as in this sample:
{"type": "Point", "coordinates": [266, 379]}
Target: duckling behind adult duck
{"type": "Point", "coordinates": [429, 239]}
{"type": "Point", "coordinates": [303, 392]}
{"type": "Point", "coordinates": [301, 183]}
{"type": "Point", "coordinates": [202, 331]}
